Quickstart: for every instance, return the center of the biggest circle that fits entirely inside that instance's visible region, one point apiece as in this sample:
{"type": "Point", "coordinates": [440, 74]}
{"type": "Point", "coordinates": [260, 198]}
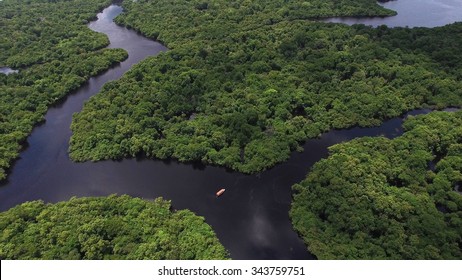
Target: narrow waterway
{"type": "Point", "coordinates": [250, 219]}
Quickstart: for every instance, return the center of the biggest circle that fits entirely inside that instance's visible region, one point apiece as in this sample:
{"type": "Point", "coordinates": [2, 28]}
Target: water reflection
{"type": "Point", "coordinates": [8, 71]}
{"type": "Point", "coordinates": [412, 13]}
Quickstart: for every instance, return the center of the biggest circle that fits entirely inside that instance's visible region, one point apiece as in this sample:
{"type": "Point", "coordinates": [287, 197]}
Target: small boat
{"type": "Point", "coordinates": [220, 192]}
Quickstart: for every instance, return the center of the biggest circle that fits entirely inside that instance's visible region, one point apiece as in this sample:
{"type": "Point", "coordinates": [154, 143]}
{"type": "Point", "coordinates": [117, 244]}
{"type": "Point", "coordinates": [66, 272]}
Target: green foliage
{"type": "Point", "coordinates": [114, 227]}
{"type": "Point", "coordinates": [49, 43]}
{"type": "Point", "coordinates": [247, 81]}
{"type": "Point", "coordinates": [375, 198]}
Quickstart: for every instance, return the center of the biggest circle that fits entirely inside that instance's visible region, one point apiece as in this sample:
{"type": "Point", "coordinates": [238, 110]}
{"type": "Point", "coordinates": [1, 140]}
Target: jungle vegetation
{"type": "Point", "coordinates": [114, 227]}
{"type": "Point", "coordinates": [246, 82]}
{"type": "Point", "coordinates": [55, 53]}
{"type": "Point", "coordinates": [376, 198]}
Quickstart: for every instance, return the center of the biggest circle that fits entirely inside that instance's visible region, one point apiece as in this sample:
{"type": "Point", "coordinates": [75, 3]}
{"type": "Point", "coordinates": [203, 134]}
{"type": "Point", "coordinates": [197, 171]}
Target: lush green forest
{"type": "Point", "coordinates": [115, 227]}
{"type": "Point", "coordinates": [376, 198]}
{"type": "Point", "coordinates": [246, 82]}
{"type": "Point", "coordinates": [55, 53]}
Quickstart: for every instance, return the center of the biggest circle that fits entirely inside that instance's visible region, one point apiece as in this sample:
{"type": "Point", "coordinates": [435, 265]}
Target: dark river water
{"type": "Point", "coordinates": [251, 218]}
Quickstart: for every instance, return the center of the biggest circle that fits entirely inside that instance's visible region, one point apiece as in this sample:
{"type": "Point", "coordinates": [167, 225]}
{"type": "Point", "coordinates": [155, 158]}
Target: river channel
{"type": "Point", "coordinates": [250, 219]}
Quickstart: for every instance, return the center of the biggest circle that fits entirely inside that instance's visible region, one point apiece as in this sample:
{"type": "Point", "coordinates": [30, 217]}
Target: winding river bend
{"type": "Point", "coordinates": [250, 219]}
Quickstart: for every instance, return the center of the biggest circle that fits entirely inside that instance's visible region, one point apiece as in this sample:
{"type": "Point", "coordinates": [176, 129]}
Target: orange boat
{"type": "Point", "coordinates": [220, 192]}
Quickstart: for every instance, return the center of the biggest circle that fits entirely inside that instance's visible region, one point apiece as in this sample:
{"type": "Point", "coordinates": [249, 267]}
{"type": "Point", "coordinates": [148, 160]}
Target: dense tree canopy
{"type": "Point", "coordinates": [376, 198]}
{"type": "Point", "coordinates": [55, 53]}
{"type": "Point", "coordinates": [247, 81]}
{"type": "Point", "coordinates": [115, 227]}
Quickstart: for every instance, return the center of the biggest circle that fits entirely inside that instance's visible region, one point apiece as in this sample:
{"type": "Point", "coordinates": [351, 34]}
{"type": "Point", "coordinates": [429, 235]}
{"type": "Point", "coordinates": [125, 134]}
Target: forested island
{"type": "Point", "coordinates": [55, 53]}
{"type": "Point", "coordinates": [246, 82]}
{"type": "Point", "coordinates": [376, 198]}
{"type": "Point", "coordinates": [115, 227]}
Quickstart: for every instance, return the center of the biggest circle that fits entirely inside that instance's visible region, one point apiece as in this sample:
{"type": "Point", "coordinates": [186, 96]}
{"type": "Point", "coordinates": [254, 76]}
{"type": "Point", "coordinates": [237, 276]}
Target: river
{"type": "Point", "coordinates": [250, 219]}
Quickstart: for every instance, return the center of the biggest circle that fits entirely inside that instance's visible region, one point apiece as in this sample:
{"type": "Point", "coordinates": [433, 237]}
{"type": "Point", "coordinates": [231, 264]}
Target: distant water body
{"type": "Point", "coordinates": [7, 70]}
{"type": "Point", "coordinates": [411, 13]}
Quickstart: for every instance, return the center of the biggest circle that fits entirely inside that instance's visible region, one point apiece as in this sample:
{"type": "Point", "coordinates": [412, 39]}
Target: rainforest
{"type": "Point", "coordinates": [106, 228]}
{"type": "Point", "coordinates": [245, 90]}
{"type": "Point", "coordinates": [376, 198]}
{"type": "Point", "coordinates": [297, 117]}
